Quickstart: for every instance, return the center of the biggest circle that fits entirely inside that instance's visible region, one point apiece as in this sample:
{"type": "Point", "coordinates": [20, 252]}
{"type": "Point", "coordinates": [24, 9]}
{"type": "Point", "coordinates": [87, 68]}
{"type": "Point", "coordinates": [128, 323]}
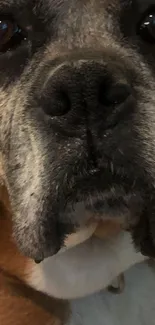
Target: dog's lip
{"type": "Point", "coordinates": [98, 190]}
{"type": "Point", "coordinates": [103, 180]}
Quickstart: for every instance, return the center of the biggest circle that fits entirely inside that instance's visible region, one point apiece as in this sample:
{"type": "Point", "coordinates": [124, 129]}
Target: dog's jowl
{"type": "Point", "coordinates": [77, 114]}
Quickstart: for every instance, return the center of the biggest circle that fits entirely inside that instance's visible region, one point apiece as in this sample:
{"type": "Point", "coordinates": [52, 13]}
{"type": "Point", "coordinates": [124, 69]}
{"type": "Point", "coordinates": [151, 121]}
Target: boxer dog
{"type": "Point", "coordinates": [77, 121]}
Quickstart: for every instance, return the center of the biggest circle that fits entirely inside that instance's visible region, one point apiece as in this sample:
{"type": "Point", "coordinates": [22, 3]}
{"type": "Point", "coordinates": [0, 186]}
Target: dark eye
{"type": "Point", "coordinates": [146, 28]}
{"type": "Point", "coordinates": [11, 35]}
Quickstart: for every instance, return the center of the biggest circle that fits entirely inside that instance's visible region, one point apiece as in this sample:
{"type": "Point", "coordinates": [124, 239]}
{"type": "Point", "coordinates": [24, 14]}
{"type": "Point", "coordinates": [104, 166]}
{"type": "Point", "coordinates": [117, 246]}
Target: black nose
{"type": "Point", "coordinates": [83, 86]}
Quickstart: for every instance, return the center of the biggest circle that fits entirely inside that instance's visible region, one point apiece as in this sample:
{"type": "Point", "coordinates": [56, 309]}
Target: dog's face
{"type": "Point", "coordinates": [77, 114]}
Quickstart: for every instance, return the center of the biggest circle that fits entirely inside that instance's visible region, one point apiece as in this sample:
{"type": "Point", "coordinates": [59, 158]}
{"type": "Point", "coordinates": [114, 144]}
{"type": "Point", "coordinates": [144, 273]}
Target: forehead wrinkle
{"type": "Point", "coordinates": [9, 4]}
{"type": "Point", "coordinates": [50, 4]}
{"type": "Point", "coordinates": [48, 7]}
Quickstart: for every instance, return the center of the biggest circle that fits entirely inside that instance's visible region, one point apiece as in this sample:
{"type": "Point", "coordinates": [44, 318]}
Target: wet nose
{"type": "Point", "coordinates": [83, 85]}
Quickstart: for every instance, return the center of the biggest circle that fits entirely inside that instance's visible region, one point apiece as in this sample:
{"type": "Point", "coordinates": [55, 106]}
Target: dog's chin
{"type": "Point", "coordinates": [101, 196]}
{"type": "Point", "coordinates": [102, 206]}
{"type": "Point", "coordinates": [97, 208]}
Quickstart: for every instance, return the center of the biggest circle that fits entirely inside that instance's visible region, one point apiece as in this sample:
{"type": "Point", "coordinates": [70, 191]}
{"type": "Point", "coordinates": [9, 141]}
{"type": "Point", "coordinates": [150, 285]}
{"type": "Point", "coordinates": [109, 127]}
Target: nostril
{"type": "Point", "coordinates": [56, 103]}
{"type": "Point", "coordinates": [114, 95]}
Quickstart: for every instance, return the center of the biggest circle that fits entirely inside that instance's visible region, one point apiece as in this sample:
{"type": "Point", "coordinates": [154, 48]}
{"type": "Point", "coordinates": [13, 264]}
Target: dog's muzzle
{"type": "Point", "coordinates": [72, 105]}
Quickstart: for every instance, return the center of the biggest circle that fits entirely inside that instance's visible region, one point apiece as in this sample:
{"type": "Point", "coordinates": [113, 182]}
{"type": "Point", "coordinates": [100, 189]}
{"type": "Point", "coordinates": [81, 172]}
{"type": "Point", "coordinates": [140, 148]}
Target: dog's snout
{"type": "Point", "coordinates": [85, 86]}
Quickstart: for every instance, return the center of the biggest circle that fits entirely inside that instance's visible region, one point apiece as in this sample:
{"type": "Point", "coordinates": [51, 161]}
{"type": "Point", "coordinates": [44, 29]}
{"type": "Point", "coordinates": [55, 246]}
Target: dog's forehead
{"type": "Point", "coordinates": [48, 6]}
{"type": "Point", "coordinates": [56, 4]}
{"type": "Point", "coordinates": [51, 2]}
{"type": "Point", "coordinates": [63, 17]}
{"type": "Point", "coordinates": [52, 7]}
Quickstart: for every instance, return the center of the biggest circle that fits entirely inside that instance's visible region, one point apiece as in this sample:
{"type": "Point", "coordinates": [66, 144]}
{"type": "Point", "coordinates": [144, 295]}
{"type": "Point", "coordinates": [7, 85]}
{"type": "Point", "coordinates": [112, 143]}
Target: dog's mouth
{"type": "Point", "coordinates": [103, 195]}
{"type": "Point", "coordinates": [92, 196]}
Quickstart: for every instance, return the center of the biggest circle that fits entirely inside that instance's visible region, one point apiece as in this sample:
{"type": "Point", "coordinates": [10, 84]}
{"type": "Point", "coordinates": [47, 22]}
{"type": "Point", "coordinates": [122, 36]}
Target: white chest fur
{"type": "Point", "coordinates": [86, 268]}
{"type": "Point", "coordinates": [136, 305]}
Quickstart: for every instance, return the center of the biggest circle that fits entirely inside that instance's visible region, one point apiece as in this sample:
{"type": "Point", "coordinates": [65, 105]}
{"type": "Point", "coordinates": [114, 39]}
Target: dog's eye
{"type": "Point", "coordinates": [146, 28]}
{"type": "Point", "coordinates": [11, 35]}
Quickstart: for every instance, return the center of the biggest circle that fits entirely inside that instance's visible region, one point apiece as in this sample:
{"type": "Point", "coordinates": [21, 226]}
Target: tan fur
{"type": "Point", "coordinates": [20, 304]}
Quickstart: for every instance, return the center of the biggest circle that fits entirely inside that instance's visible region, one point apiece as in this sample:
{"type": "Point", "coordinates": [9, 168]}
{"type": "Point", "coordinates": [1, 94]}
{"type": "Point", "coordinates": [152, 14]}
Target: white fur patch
{"type": "Point", "coordinates": [86, 268]}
